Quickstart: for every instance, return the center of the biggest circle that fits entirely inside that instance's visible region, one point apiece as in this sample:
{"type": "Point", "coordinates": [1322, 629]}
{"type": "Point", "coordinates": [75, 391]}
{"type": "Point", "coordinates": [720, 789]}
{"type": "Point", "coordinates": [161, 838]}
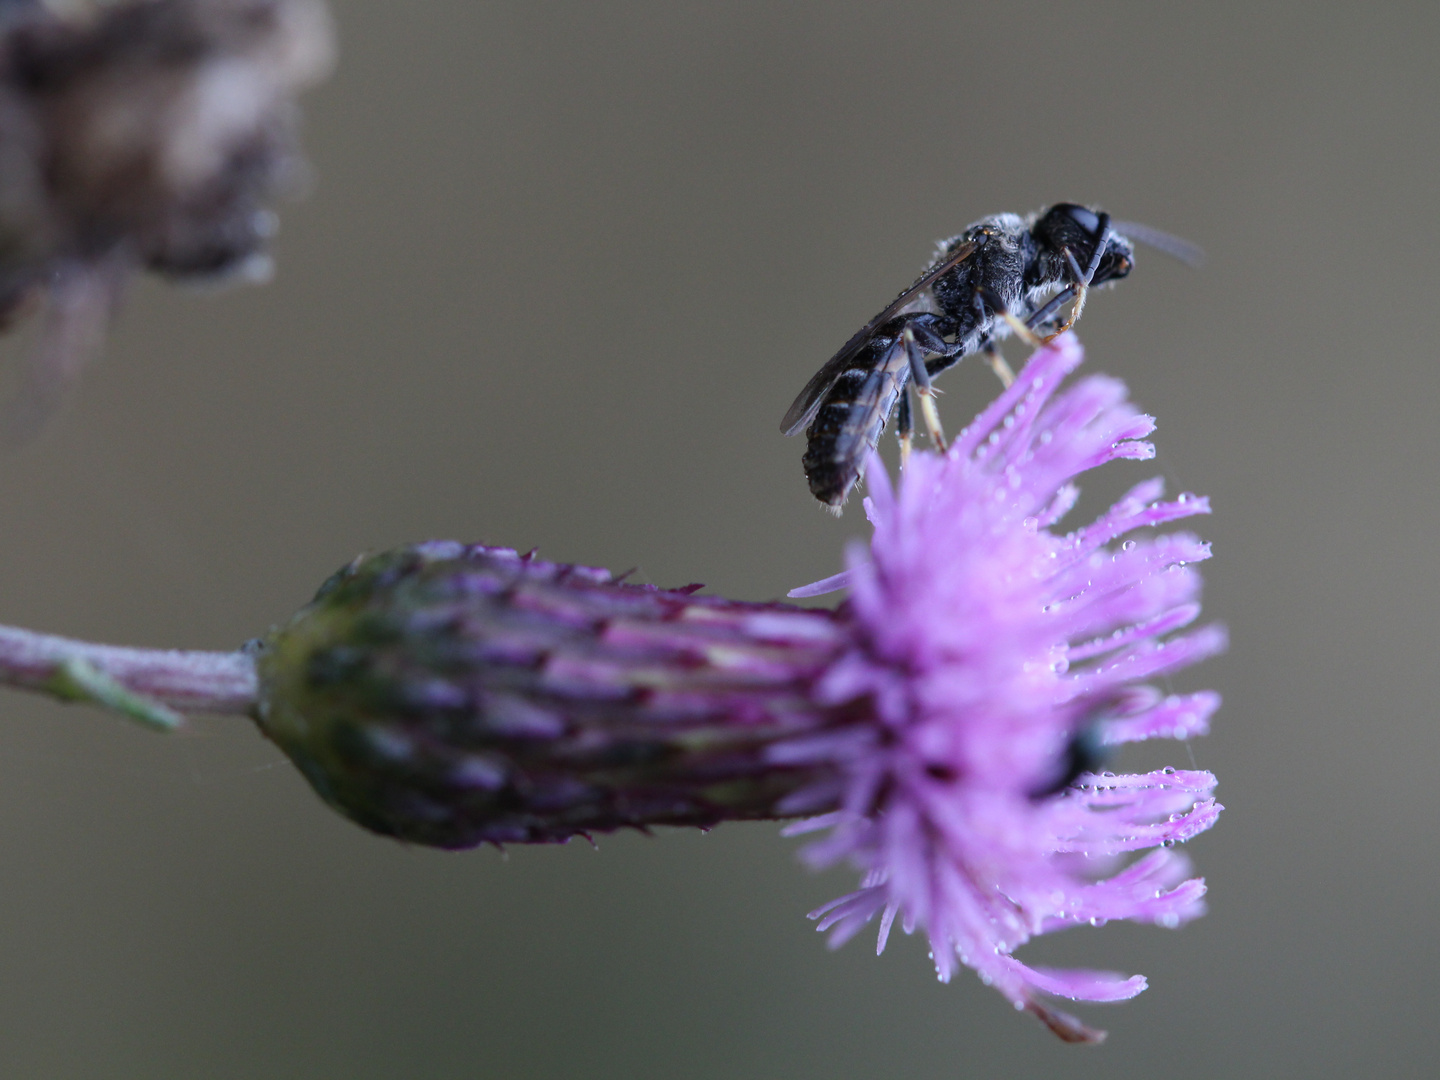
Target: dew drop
{"type": "Point", "coordinates": [1129, 545]}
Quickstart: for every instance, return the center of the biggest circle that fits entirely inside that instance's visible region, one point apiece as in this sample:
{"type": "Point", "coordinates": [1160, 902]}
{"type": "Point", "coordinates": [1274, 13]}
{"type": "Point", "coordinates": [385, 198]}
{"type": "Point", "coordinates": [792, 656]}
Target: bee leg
{"type": "Point", "coordinates": [1081, 286]}
{"type": "Point", "coordinates": [984, 296]}
{"type": "Point", "coordinates": [929, 332]}
{"type": "Point", "coordinates": [998, 365]}
{"type": "Point", "coordinates": [904, 427]}
{"type": "Point", "coordinates": [1081, 279]}
{"type": "Point", "coordinates": [1046, 314]}
{"type": "Point", "coordinates": [923, 390]}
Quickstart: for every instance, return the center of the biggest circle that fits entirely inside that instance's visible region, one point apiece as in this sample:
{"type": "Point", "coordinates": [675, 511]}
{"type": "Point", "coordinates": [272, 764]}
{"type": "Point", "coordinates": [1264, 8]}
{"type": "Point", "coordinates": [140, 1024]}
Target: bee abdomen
{"type": "Point", "coordinates": [845, 430]}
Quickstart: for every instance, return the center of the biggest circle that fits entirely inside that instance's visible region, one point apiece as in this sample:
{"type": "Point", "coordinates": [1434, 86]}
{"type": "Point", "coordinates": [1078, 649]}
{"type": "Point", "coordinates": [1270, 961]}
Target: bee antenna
{"type": "Point", "coordinates": [1192, 255]}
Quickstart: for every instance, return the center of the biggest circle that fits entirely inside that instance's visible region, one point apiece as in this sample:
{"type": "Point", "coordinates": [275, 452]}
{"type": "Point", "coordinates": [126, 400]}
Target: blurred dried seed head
{"type": "Point", "coordinates": [151, 133]}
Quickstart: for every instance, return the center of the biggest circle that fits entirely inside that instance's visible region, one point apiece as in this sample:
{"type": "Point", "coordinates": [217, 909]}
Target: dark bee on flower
{"type": "Point", "coordinates": [1004, 274]}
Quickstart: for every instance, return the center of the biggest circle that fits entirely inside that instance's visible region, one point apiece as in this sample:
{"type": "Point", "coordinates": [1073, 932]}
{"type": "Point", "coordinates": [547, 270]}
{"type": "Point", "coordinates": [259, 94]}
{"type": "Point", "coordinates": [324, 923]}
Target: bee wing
{"type": "Point", "coordinates": [807, 404]}
{"type": "Point", "coordinates": [1191, 255]}
{"type": "Point", "coordinates": [79, 302]}
{"type": "Point", "coordinates": [870, 407]}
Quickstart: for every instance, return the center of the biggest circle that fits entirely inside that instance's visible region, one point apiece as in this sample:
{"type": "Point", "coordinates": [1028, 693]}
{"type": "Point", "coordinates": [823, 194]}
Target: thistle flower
{"type": "Point", "coordinates": [942, 727]}
{"type": "Point", "coordinates": [937, 722]}
{"type": "Point", "coordinates": [997, 654]}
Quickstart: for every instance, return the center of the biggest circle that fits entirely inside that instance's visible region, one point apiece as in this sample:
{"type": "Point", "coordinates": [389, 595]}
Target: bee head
{"type": "Point", "coordinates": [1069, 225]}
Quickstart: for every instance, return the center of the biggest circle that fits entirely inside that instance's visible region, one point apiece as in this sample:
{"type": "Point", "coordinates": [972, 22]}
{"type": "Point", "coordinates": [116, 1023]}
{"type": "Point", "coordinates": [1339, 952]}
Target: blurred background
{"type": "Point", "coordinates": [563, 267]}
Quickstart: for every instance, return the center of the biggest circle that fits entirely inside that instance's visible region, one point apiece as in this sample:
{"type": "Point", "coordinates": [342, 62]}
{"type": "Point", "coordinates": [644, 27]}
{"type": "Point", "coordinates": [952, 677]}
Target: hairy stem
{"type": "Point", "coordinates": [208, 682]}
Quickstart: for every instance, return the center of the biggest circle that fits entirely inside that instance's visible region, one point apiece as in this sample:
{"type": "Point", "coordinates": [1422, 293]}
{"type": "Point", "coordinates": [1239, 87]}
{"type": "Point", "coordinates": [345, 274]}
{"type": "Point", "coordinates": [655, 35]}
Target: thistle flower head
{"type": "Point", "coordinates": [942, 726]}
{"type": "Point", "coordinates": [997, 654]}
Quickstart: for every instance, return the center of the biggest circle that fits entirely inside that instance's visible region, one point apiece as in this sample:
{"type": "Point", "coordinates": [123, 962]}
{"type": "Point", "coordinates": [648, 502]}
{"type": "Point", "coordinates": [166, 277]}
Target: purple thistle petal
{"type": "Point", "coordinates": [1079, 985]}
{"type": "Point", "coordinates": [1152, 889]}
{"type": "Point", "coordinates": [1173, 619]}
{"type": "Point", "coordinates": [833, 583]}
{"type": "Point", "coordinates": [1064, 501]}
{"type": "Point", "coordinates": [1041, 377]}
{"type": "Point", "coordinates": [815, 824]}
{"type": "Point", "coordinates": [1177, 717]}
{"type": "Point", "coordinates": [985, 644]}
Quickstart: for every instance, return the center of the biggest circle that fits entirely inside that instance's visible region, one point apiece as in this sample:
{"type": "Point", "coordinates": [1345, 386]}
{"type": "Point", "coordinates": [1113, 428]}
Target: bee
{"type": "Point", "coordinates": [1004, 274]}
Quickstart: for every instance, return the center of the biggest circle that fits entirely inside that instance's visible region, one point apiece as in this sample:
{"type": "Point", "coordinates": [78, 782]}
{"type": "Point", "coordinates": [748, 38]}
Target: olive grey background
{"type": "Point", "coordinates": [563, 267]}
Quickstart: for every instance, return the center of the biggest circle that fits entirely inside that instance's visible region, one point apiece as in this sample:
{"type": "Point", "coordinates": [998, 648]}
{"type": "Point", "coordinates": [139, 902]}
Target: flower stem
{"type": "Point", "coordinates": [152, 686]}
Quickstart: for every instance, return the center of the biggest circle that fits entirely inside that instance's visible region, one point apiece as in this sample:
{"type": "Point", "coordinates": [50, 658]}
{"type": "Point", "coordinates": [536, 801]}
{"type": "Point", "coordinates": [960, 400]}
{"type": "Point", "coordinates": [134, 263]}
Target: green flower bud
{"type": "Point", "coordinates": [452, 696]}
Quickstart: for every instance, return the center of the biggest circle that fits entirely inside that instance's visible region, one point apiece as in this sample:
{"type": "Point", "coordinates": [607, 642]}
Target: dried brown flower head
{"type": "Point", "coordinates": [148, 133]}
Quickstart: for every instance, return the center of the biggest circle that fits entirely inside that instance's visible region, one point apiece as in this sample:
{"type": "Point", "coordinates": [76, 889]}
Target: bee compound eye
{"type": "Point", "coordinates": [1083, 217]}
